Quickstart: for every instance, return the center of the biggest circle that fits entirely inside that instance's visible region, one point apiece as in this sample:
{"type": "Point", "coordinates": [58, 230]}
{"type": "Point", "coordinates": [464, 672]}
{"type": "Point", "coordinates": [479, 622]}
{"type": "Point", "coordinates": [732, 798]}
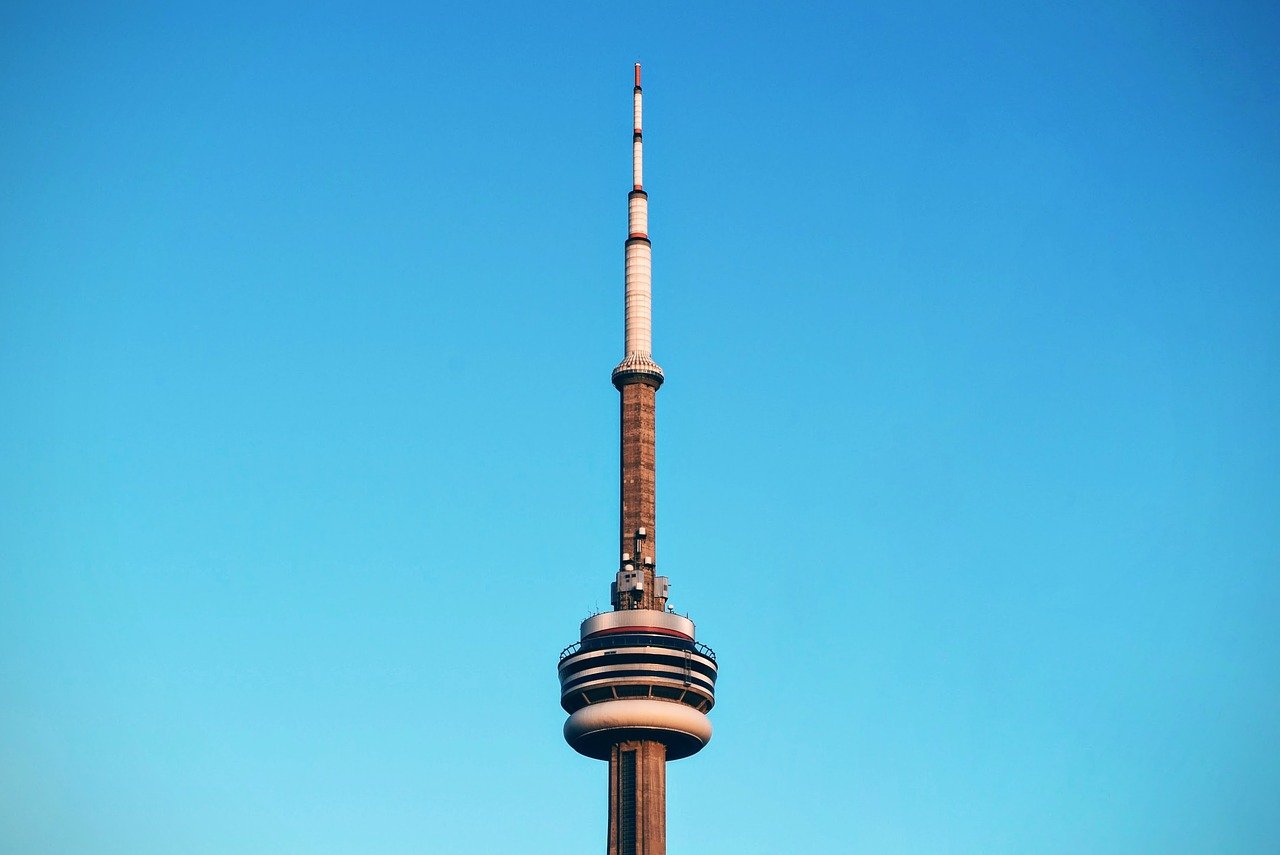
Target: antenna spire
{"type": "Point", "coordinates": [637, 361]}
{"type": "Point", "coordinates": [637, 140]}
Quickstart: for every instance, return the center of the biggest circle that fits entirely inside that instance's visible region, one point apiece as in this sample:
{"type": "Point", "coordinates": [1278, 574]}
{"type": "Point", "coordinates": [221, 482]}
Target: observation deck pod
{"type": "Point", "coordinates": [637, 674]}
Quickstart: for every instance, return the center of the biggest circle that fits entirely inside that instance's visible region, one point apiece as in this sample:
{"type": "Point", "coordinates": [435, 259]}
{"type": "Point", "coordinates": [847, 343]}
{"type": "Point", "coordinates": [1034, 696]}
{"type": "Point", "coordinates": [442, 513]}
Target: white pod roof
{"type": "Point", "coordinates": [641, 620]}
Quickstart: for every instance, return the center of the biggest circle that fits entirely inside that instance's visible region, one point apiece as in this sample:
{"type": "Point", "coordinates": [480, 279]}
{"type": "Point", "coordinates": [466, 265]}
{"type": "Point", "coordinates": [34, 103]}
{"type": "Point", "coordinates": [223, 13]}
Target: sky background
{"type": "Point", "coordinates": [969, 465]}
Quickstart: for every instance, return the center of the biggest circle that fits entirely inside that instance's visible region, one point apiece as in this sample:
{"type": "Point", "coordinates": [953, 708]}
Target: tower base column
{"type": "Point", "coordinates": [638, 798]}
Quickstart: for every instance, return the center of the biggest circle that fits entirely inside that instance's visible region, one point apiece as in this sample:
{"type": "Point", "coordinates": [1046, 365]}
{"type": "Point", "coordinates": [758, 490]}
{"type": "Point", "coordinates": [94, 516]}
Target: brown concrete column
{"type": "Point", "coordinates": [638, 799]}
{"type": "Point", "coordinates": [638, 480]}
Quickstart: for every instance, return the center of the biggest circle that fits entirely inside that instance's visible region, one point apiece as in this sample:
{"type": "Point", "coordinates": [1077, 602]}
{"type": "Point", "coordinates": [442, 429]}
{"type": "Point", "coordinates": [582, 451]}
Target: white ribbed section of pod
{"type": "Point", "coordinates": [633, 666]}
{"type": "Point", "coordinates": [634, 363]}
{"type": "Point", "coordinates": [639, 287]}
{"type": "Point", "coordinates": [638, 215]}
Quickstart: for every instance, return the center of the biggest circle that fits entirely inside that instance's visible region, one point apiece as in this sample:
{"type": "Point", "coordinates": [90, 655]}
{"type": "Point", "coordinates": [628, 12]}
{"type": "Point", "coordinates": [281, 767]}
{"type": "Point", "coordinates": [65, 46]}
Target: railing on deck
{"type": "Point", "coordinates": [637, 640]}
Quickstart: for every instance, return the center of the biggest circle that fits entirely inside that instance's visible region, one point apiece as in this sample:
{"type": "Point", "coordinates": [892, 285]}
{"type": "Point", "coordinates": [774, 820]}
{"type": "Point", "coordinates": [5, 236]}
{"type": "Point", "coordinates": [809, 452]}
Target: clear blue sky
{"type": "Point", "coordinates": [968, 466]}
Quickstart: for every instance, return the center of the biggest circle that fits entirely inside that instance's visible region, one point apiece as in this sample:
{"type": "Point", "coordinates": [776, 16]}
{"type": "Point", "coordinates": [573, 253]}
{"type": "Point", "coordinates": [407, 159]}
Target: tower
{"type": "Point", "coordinates": [637, 685]}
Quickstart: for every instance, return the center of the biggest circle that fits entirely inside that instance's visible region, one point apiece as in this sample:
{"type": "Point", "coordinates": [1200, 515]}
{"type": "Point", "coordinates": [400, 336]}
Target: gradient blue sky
{"type": "Point", "coordinates": [968, 460]}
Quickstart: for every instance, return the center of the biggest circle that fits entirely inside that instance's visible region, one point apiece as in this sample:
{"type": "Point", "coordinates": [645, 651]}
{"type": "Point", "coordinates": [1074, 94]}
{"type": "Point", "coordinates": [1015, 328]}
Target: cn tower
{"type": "Point", "coordinates": [637, 685]}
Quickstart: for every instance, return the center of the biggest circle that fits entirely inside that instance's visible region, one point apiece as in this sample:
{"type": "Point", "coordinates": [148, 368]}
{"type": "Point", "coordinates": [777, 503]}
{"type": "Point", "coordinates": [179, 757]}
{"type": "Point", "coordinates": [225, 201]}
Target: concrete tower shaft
{"type": "Point", "coordinates": [637, 585]}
